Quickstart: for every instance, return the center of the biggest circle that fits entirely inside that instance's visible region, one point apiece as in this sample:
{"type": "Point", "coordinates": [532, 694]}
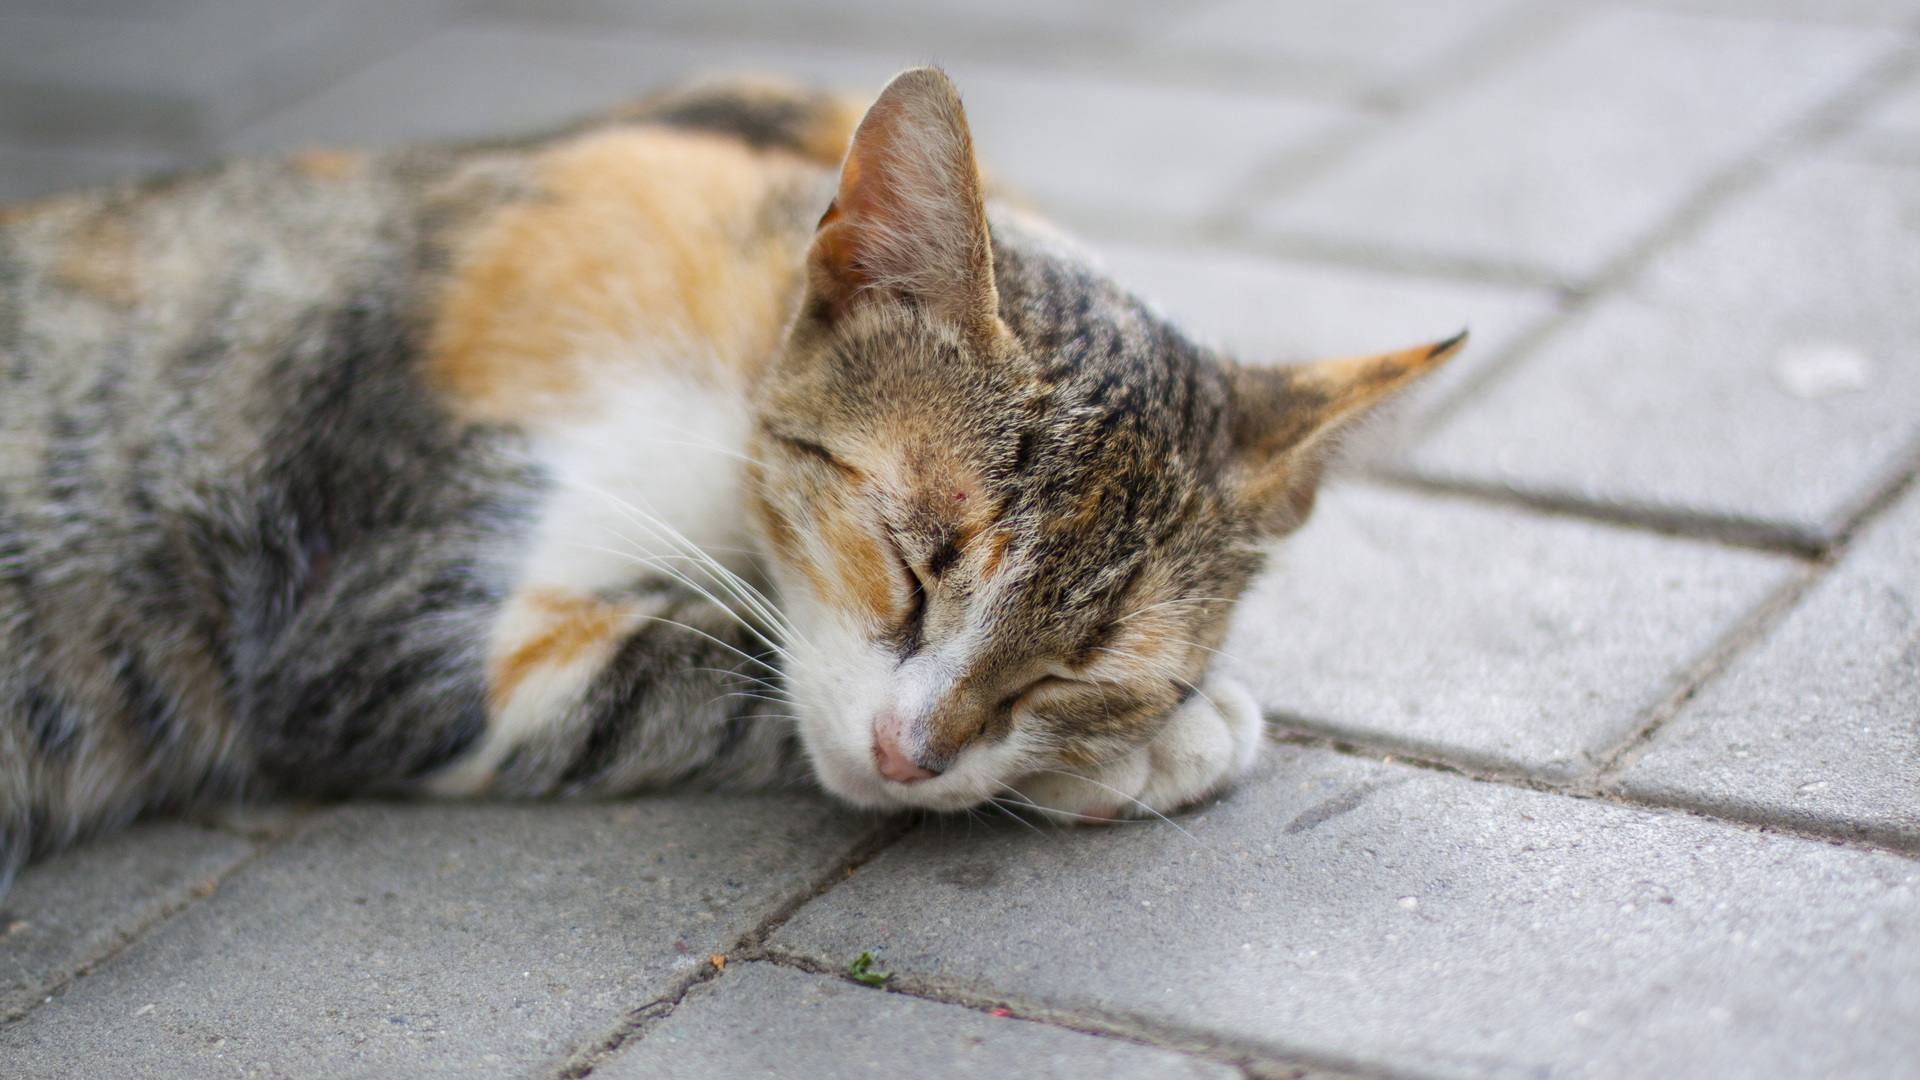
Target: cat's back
{"type": "Point", "coordinates": [252, 414]}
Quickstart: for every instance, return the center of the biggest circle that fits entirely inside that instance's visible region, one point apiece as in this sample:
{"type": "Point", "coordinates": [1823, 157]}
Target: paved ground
{"type": "Point", "coordinates": [1596, 691]}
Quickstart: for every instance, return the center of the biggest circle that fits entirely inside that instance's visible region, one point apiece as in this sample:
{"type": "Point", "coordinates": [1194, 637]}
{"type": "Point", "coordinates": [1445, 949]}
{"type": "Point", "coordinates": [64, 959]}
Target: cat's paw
{"type": "Point", "coordinates": [1208, 741]}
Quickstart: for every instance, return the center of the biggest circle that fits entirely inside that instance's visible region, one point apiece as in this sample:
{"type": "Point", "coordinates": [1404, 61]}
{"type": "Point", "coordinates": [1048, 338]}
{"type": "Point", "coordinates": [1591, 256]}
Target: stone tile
{"type": "Point", "coordinates": [1112, 157]}
{"type": "Point", "coordinates": [1268, 309]}
{"type": "Point", "coordinates": [68, 913]}
{"type": "Point", "coordinates": [766, 1021]}
{"type": "Point", "coordinates": [1561, 162]}
{"type": "Point", "coordinates": [915, 25]}
{"type": "Point", "coordinates": [1390, 919]}
{"type": "Point", "coordinates": [478, 940]}
{"type": "Point", "coordinates": [1485, 635]}
{"type": "Point", "coordinates": [1890, 131]}
{"type": "Point", "coordinates": [1818, 726]}
{"type": "Point", "coordinates": [1353, 43]}
{"type": "Point", "coordinates": [491, 78]}
{"type": "Point", "coordinates": [176, 76]}
{"type": "Point", "coordinates": [1091, 152]}
{"type": "Point", "coordinates": [1901, 13]}
{"type": "Point", "coordinates": [28, 172]}
{"type": "Point", "coordinates": [1757, 373]}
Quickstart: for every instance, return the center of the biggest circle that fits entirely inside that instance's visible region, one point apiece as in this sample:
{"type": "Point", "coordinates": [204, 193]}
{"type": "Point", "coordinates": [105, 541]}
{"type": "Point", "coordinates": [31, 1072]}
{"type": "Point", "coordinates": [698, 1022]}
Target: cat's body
{"type": "Point", "coordinates": [453, 471]}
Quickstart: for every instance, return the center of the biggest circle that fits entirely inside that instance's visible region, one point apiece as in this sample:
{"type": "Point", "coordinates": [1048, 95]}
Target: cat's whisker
{"type": "Point", "coordinates": [1169, 603]}
{"type": "Point", "coordinates": [743, 591]}
{"type": "Point", "coordinates": [730, 583]}
{"type": "Point", "coordinates": [701, 442]}
{"type": "Point", "coordinates": [1072, 816]}
{"type": "Point", "coordinates": [770, 687]}
{"type": "Point", "coordinates": [695, 587]}
{"type": "Point", "coordinates": [995, 802]}
{"type": "Point", "coordinates": [736, 650]}
{"type": "Point", "coordinates": [1108, 787]}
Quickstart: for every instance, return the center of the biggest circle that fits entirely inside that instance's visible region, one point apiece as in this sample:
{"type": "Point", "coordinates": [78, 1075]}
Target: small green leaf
{"type": "Point", "coordinates": [860, 971]}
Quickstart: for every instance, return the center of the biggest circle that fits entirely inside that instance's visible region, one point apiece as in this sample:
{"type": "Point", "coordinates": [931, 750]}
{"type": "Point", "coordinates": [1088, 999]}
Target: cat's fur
{"type": "Point", "coordinates": [465, 470]}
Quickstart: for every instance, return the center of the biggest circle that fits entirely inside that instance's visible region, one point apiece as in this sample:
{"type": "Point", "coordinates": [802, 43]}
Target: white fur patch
{"type": "Point", "coordinates": [647, 486]}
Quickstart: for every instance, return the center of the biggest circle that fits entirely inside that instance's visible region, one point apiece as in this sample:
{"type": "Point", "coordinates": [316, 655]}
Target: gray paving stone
{"type": "Point", "coordinates": [1093, 152]}
{"type": "Point", "coordinates": [1336, 910]}
{"type": "Point", "coordinates": [487, 78]}
{"type": "Point", "coordinates": [1484, 635]}
{"type": "Point", "coordinates": [1818, 726]}
{"type": "Point", "coordinates": [1358, 44]}
{"type": "Point", "coordinates": [475, 940]}
{"type": "Point", "coordinates": [68, 913]}
{"type": "Point", "coordinates": [178, 75]}
{"type": "Point", "coordinates": [28, 172]}
{"type": "Point", "coordinates": [1759, 372]}
{"type": "Point", "coordinates": [1101, 155]}
{"type": "Point", "coordinates": [1890, 131]}
{"type": "Point", "coordinates": [1562, 161]}
{"type": "Point", "coordinates": [1261, 308]}
{"type": "Point", "coordinates": [766, 1021]}
{"type": "Point", "coordinates": [920, 25]}
{"type": "Point", "coordinates": [1902, 13]}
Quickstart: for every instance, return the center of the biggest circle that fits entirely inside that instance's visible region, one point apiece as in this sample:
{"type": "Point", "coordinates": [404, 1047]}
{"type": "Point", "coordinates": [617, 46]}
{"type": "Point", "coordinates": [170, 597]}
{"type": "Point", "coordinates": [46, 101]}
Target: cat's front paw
{"type": "Point", "coordinates": [1207, 742]}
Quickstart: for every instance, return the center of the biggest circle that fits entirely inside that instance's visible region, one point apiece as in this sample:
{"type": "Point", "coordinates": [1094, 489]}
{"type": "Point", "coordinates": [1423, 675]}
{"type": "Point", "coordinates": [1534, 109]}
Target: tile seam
{"type": "Point", "coordinates": [262, 843]}
{"type": "Point", "coordinates": [589, 1054]}
{"type": "Point", "coordinates": [1255, 1059]}
{"type": "Point", "coordinates": [1388, 754]}
{"type": "Point", "coordinates": [1803, 135]}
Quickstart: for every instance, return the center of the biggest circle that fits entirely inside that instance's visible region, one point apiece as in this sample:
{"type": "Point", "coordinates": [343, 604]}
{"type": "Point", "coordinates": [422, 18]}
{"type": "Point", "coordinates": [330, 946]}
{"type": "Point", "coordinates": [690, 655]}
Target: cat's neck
{"type": "Point", "coordinates": [618, 319]}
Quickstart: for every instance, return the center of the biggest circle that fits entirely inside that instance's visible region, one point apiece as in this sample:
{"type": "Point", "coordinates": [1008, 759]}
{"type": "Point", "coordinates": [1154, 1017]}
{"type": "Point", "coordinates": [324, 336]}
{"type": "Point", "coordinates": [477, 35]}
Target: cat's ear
{"type": "Point", "coordinates": [1285, 420]}
{"type": "Point", "coordinates": [909, 222]}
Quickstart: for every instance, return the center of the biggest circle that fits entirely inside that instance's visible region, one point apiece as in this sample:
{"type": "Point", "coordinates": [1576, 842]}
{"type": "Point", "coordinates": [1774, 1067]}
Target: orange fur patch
{"type": "Point", "coordinates": [572, 625]}
{"type": "Point", "coordinates": [996, 551]}
{"type": "Point", "coordinates": [101, 261]}
{"type": "Point", "coordinates": [826, 142]}
{"type": "Point", "coordinates": [645, 246]}
{"type": "Point", "coordinates": [866, 573]}
{"type": "Point", "coordinates": [322, 163]}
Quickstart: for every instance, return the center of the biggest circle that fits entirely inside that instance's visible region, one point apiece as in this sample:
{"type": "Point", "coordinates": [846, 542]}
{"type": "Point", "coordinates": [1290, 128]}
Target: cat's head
{"type": "Point", "coordinates": [1009, 509]}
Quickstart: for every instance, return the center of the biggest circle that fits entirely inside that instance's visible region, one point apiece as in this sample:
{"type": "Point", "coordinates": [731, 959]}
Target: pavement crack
{"type": "Point", "coordinates": [18, 1006]}
{"type": "Point", "coordinates": [749, 946]}
{"type": "Point", "coordinates": [1255, 1060]}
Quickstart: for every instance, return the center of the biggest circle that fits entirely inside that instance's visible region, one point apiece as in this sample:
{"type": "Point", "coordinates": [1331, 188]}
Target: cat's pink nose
{"type": "Point", "coordinates": [895, 765]}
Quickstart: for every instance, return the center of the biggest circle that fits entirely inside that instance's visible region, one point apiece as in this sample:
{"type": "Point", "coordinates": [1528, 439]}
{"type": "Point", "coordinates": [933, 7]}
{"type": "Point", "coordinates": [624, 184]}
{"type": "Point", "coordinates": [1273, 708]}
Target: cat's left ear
{"type": "Point", "coordinates": [1287, 419]}
{"type": "Point", "coordinates": [909, 222]}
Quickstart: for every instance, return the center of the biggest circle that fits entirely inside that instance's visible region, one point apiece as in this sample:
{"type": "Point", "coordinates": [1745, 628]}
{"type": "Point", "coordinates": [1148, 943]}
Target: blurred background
{"type": "Point", "coordinates": [1288, 177]}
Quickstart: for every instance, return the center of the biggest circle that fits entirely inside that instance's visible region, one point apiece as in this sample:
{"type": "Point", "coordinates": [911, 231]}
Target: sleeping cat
{"type": "Point", "coordinates": [603, 462]}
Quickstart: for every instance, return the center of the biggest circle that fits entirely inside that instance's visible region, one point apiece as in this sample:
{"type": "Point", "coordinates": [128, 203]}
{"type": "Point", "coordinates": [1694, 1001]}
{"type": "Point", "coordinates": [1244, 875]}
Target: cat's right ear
{"type": "Point", "coordinates": [1286, 419]}
{"type": "Point", "coordinates": [909, 222]}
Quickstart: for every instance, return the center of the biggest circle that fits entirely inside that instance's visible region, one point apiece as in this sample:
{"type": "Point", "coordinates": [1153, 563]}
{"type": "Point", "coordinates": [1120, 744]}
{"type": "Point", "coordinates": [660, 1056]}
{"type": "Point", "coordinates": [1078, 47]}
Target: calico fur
{"type": "Point", "coordinates": [601, 461]}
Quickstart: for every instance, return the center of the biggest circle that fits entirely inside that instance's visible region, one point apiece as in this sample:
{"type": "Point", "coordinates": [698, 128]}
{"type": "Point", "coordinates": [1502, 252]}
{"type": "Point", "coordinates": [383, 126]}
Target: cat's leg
{"type": "Point", "coordinates": [1213, 737]}
{"type": "Point", "coordinates": [594, 696]}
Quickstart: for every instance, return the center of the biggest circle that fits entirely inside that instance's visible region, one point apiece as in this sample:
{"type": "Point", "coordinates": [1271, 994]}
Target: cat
{"type": "Point", "coordinates": [601, 461]}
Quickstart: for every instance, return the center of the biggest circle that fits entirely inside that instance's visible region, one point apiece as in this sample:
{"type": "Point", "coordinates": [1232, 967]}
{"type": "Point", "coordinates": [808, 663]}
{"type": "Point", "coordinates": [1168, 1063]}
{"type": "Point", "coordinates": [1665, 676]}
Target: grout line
{"type": "Point", "coordinates": [812, 965]}
{"type": "Point", "coordinates": [1887, 840]}
{"type": "Point", "coordinates": [1744, 633]}
{"type": "Point", "coordinates": [1396, 260]}
{"type": "Point", "coordinates": [1746, 534]}
{"type": "Point", "coordinates": [1429, 86]}
{"type": "Point", "coordinates": [264, 842]}
{"type": "Point", "coordinates": [1253, 1059]}
{"type": "Point", "coordinates": [1289, 731]}
{"type": "Point", "coordinates": [584, 1059]}
{"type": "Point", "coordinates": [1820, 125]}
